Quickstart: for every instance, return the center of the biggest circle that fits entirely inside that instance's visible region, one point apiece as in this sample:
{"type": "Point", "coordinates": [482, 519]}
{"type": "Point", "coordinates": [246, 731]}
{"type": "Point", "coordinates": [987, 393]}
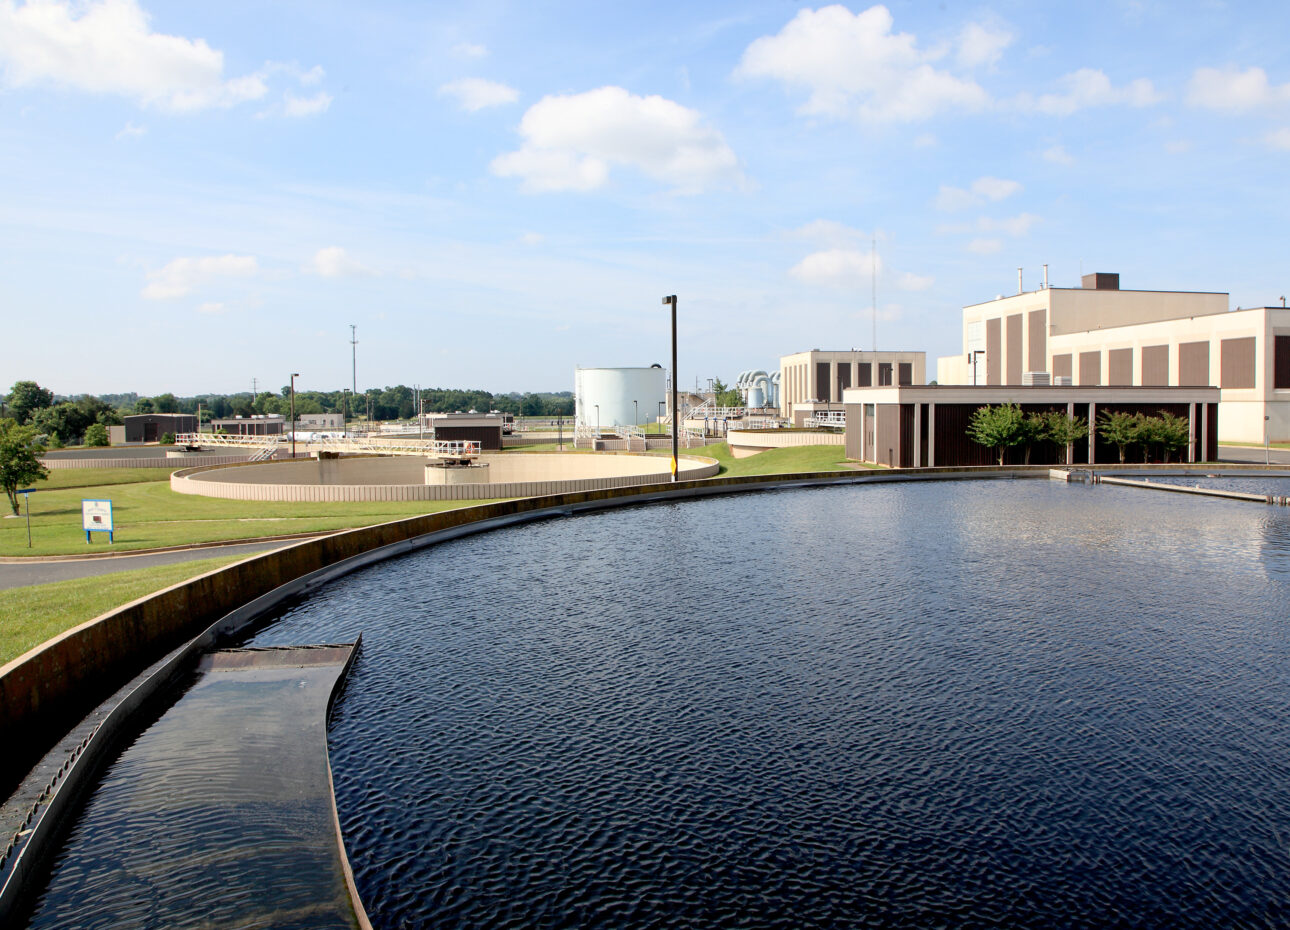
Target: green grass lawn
{"type": "Point", "coordinates": [36, 613]}
{"type": "Point", "coordinates": [93, 477]}
{"type": "Point", "coordinates": [779, 461]}
{"type": "Point", "coordinates": [149, 515]}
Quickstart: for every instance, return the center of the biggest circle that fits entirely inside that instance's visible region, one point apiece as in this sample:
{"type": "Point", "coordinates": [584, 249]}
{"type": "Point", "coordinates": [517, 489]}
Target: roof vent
{"type": "Point", "coordinates": [1100, 281]}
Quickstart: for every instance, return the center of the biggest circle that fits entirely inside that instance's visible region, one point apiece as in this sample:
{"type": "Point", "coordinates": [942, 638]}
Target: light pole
{"type": "Point", "coordinates": [1267, 445]}
{"type": "Point", "coordinates": [597, 406]}
{"type": "Point", "coordinates": [421, 419]}
{"type": "Point", "coordinates": [637, 413]}
{"type": "Point", "coordinates": [294, 376]}
{"type": "Point", "coordinates": [675, 410]}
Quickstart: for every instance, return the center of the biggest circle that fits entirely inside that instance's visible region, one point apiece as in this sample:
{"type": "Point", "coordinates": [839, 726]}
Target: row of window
{"type": "Point", "coordinates": [1238, 365]}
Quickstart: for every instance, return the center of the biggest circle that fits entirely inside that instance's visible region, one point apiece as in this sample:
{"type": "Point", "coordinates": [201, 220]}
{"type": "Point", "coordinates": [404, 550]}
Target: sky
{"type": "Point", "coordinates": [193, 196]}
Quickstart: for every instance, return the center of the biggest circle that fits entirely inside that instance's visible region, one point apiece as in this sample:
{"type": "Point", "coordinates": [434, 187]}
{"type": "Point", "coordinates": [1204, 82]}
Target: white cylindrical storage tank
{"type": "Point", "coordinates": [608, 397]}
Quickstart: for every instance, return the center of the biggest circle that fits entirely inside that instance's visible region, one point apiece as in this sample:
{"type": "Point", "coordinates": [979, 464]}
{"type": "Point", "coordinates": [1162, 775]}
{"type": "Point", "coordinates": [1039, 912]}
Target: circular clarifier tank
{"type": "Point", "coordinates": [415, 477]}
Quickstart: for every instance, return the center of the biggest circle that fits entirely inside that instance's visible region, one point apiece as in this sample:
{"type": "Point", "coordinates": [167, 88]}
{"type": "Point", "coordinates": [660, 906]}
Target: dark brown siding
{"type": "Point", "coordinates": [1236, 363]}
{"type": "Point", "coordinates": [887, 435]}
{"type": "Point", "coordinates": [907, 435]}
{"type": "Point", "coordinates": [488, 437]}
{"type": "Point", "coordinates": [1281, 362]}
{"type": "Point", "coordinates": [844, 377]}
{"type": "Point", "coordinates": [1155, 366]}
{"type": "Point", "coordinates": [1211, 450]}
{"type": "Point", "coordinates": [1119, 367]}
{"type": "Point", "coordinates": [1090, 368]}
{"type": "Point", "coordinates": [993, 346]}
{"type": "Point", "coordinates": [820, 389]}
{"type": "Point", "coordinates": [855, 415]}
{"type": "Point", "coordinates": [1062, 366]}
{"type": "Point", "coordinates": [1193, 364]}
{"type": "Point", "coordinates": [922, 436]}
{"type": "Point", "coordinates": [864, 374]}
{"type": "Point", "coordinates": [1038, 353]}
{"type": "Point", "coordinates": [905, 373]}
{"type": "Point", "coordinates": [1014, 349]}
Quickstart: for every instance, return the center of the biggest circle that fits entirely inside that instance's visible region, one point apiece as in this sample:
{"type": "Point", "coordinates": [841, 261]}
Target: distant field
{"type": "Point", "coordinates": [40, 612]}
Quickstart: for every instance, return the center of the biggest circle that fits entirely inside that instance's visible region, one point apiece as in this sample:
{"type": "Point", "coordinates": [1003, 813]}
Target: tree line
{"type": "Point", "coordinates": [1006, 426]}
{"type": "Point", "coordinates": [85, 418]}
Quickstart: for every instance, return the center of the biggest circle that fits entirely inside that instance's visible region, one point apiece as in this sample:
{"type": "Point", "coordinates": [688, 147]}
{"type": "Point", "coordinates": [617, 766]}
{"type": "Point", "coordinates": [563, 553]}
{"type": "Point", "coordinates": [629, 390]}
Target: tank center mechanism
{"type": "Point", "coordinates": [455, 462]}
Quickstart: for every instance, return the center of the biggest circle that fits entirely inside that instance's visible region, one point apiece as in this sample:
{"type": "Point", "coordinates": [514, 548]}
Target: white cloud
{"type": "Point", "coordinates": [836, 267]}
{"type": "Point", "coordinates": [828, 231]}
{"type": "Point", "coordinates": [1089, 87]}
{"type": "Point", "coordinates": [305, 106]}
{"type": "Point", "coordinates": [1058, 155]}
{"type": "Point", "coordinates": [131, 131]}
{"type": "Point", "coordinates": [1235, 91]}
{"type": "Point", "coordinates": [925, 140]}
{"type": "Point", "coordinates": [983, 190]}
{"type": "Point", "coordinates": [984, 246]}
{"type": "Point", "coordinates": [531, 238]}
{"type": "Point", "coordinates": [1013, 226]}
{"type": "Point", "coordinates": [108, 47]}
{"type": "Point", "coordinates": [181, 276]}
{"type": "Point", "coordinates": [332, 262]}
{"type": "Point", "coordinates": [474, 94]}
{"type": "Point", "coordinates": [470, 50]}
{"type": "Point", "coordinates": [311, 77]}
{"type": "Point", "coordinates": [571, 142]}
{"type": "Point", "coordinates": [908, 281]}
{"type": "Point", "coordinates": [1177, 146]}
{"type": "Point", "coordinates": [853, 64]}
{"type": "Point", "coordinates": [982, 45]}
{"type": "Point", "coordinates": [1279, 139]}
{"type": "Point", "coordinates": [211, 307]}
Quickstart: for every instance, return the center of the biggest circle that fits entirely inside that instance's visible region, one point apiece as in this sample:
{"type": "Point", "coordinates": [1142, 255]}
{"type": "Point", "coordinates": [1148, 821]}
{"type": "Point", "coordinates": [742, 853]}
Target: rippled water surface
{"type": "Point", "coordinates": [1005, 704]}
{"type": "Point", "coordinates": [1257, 484]}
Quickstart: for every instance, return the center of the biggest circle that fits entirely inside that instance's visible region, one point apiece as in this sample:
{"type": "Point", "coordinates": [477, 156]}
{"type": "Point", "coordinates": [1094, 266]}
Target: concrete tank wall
{"type": "Point", "coordinates": [613, 390]}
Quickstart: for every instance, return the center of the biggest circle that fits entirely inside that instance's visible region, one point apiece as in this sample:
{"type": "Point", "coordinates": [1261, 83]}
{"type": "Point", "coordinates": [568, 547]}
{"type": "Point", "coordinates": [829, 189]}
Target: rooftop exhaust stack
{"type": "Point", "coordinates": [1019, 288]}
{"type": "Point", "coordinates": [1045, 276]}
{"type": "Point", "coordinates": [1100, 281]}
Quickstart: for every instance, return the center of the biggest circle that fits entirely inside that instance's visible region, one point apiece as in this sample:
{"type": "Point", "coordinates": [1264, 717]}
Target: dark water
{"type": "Point", "coordinates": [1013, 704]}
{"type": "Point", "coordinates": [1007, 704]}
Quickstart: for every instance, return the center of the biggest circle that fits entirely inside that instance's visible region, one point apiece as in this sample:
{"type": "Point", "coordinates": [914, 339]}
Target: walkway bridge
{"type": "Point", "coordinates": [446, 450]}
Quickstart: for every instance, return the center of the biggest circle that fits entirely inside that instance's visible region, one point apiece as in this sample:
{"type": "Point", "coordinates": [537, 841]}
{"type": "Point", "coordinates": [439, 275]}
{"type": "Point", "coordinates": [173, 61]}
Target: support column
{"type": "Point", "coordinates": [863, 444]}
{"type": "Point", "coordinates": [1070, 446]}
{"type": "Point", "coordinates": [931, 435]}
{"type": "Point", "coordinates": [1191, 432]}
{"type": "Point", "coordinates": [917, 460]}
{"type": "Point", "coordinates": [1204, 430]}
{"type": "Point", "coordinates": [1092, 432]}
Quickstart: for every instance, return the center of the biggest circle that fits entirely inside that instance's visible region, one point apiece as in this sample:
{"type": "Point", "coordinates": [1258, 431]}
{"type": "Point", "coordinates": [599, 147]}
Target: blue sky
{"type": "Point", "coordinates": [195, 195]}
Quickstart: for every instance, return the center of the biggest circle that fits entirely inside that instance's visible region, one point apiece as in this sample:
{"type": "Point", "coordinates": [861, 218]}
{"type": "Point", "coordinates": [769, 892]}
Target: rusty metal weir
{"type": "Point", "coordinates": [221, 813]}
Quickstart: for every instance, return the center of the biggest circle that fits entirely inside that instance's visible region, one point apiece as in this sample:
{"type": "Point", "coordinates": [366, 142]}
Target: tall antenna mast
{"type": "Point", "coordinates": [353, 342]}
{"type": "Point", "coordinates": [873, 279]}
{"type": "Point", "coordinates": [253, 392]}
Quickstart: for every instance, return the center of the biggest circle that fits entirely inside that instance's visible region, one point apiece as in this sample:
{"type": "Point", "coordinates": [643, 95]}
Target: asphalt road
{"type": "Point", "coordinates": [1253, 454]}
{"type": "Point", "coordinates": [17, 575]}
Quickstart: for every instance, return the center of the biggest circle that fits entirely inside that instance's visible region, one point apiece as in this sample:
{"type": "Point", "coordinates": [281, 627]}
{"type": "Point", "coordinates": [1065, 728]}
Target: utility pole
{"type": "Point", "coordinates": [676, 413]}
{"type": "Point", "coordinates": [353, 346]}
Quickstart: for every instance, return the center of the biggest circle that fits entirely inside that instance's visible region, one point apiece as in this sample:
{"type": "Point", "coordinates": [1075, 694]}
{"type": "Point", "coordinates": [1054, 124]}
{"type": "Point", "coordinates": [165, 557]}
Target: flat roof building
{"type": "Point", "coordinates": [820, 377]}
{"type": "Point", "coordinates": [926, 425]}
{"type": "Point", "coordinates": [150, 427]}
{"type": "Point", "coordinates": [269, 424]}
{"type": "Point", "coordinates": [1098, 335]}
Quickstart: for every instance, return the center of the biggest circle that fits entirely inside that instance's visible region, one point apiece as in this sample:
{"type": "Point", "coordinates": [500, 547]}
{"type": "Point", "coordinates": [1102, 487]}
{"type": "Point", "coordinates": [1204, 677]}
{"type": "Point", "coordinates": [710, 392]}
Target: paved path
{"type": "Point", "coordinates": [1253, 454]}
{"type": "Point", "coordinates": [16, 575]}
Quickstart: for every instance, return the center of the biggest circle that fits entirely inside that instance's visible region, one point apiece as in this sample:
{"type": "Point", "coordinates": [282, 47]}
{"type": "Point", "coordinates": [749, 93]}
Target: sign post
{"type": "Point", "coordinates": [26, 496]}
{"type": "Point", "coordinates": [96, 517]}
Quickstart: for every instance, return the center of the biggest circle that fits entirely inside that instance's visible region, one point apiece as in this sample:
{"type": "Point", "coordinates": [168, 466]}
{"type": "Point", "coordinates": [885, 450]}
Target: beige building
{"type": "Point", "coordinates": [817, 377]}
{"type": "Point", "coordinates": [1099, 335]}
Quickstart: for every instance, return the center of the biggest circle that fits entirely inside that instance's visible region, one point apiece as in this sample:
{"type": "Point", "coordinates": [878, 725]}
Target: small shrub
{"type": "Point", "coordinates": [96, 434]}
{"type": "Point", "coordinates": [167, 439]}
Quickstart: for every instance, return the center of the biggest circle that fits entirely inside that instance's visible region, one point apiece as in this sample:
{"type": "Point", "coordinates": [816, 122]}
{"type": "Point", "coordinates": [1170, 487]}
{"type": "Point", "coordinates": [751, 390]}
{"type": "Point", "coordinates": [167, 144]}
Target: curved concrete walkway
{"type": "Point", "coordinates": [42, 571]}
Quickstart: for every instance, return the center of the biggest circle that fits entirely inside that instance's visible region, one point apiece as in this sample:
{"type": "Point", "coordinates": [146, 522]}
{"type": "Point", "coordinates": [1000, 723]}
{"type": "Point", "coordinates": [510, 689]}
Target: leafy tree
{"type": "Point", "coordinates": [26, 398]}
{"type": "Point", "coordinates": [1033, 430]}
{"type": "Point", "coordinates": [1120, 429]}
{"type": "Point", "coordinates": [96, 434]}
{"type": "Point", "coordinates": [999, 428]}
{"type": "Point", "coordinates": [726, 396]}
{"type": "Point", "coordinates": [144, 405]}
{"type": "Point", "coordinates": [1064, 430]}
{"type": "Point", "coordinates": [1172, 433]}
{"type": "Point", "coordinates": [165, 403]}
{"type": "Point", "coordinates": [19, 459]}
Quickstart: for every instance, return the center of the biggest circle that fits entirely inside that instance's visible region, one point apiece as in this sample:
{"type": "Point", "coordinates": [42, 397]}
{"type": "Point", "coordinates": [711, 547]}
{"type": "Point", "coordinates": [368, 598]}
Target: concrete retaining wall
{"type": "Point", "coordinates": [56, 464]}
{"type": "Point", "coordinates": [391, 478]}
